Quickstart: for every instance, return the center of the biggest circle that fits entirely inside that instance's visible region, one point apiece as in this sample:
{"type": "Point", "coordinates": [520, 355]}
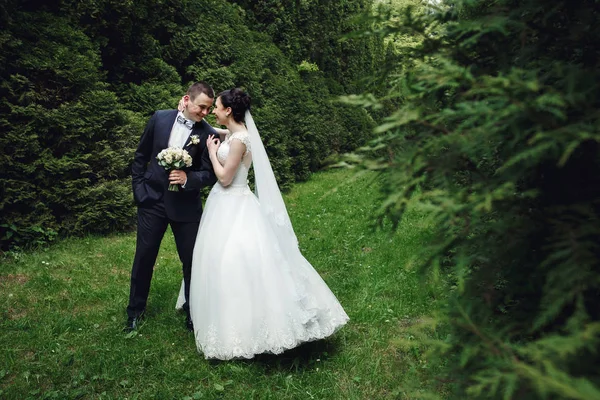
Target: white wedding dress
{"type": "Point", "coordinates": [249, 294]}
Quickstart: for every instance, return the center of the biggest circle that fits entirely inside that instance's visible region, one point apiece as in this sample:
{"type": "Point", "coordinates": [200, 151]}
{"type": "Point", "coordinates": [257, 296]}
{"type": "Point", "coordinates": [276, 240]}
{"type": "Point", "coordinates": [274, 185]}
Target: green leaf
{"type": "Point", "coordinates": [218, 387]}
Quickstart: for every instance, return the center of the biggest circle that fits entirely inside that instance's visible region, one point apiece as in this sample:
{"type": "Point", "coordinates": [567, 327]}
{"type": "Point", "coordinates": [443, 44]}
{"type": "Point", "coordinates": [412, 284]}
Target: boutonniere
{"type": "Point", "coordinates": [194, 139]}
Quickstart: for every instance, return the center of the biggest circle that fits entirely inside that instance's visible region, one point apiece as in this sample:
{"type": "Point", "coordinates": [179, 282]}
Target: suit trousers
{"type": "Point", "coordinates": [152, 223]}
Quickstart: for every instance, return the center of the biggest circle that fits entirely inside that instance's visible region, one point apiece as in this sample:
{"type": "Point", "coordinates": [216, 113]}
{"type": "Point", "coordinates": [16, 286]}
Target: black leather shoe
{"type": "Point", "coordinates": [189, 324]}
{"type": "Point", "coordinates": [133, 323]}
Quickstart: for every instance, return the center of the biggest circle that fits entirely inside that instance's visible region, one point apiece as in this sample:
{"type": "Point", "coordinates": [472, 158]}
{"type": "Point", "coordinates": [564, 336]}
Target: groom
{"type": "Point", "coordinates": [159, 207]}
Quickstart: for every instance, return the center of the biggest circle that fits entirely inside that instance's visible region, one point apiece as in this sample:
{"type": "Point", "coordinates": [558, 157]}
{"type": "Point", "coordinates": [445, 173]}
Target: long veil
{"type": "Point", "coordinates": [267, 191]}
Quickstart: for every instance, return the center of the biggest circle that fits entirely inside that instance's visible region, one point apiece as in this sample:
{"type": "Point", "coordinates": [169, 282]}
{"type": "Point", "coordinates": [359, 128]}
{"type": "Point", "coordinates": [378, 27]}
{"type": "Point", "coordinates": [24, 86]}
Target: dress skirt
{"type": "Point", "coordinates": [247, 295]}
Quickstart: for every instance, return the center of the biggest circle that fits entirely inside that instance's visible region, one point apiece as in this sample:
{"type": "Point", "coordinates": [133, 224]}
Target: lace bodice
{"type": "Point", "coordinates": [240, 179]}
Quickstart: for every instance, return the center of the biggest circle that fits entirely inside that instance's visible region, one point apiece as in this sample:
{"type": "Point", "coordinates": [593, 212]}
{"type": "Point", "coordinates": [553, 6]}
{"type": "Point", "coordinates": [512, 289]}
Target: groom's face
{"type": "Point", "coordinates": [198, 108]}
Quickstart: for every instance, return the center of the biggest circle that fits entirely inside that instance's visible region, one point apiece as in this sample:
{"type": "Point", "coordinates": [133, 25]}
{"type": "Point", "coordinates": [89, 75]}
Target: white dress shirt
{"type": "Point", "coordinates": [179, 133]}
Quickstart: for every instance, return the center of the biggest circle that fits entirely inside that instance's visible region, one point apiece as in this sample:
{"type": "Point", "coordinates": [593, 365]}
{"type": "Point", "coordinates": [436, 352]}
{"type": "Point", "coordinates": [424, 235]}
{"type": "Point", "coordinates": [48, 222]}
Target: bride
{"type": "Point", "coordinates": [251, 289]}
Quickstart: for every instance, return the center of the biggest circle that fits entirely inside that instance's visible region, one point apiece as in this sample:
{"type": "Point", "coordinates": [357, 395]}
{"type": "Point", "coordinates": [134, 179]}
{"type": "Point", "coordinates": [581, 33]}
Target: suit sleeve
{"type": "Point", "coordinates": [203, 174]}
{"type": "Point", "coordinates": [143, 153]}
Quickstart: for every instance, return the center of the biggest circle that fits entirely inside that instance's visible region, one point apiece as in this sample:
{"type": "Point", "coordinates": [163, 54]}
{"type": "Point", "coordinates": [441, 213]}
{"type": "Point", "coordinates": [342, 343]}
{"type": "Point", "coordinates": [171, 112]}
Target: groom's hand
{"type": "Point", "coordinates": [177, 177]}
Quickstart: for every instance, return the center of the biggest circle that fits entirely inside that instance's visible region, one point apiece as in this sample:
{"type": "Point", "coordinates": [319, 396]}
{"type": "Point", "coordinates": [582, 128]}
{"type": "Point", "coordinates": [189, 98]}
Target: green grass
{"type": "Point", "coordinates": [63, 309]}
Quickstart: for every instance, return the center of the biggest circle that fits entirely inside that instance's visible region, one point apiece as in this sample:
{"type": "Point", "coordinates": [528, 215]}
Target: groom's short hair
{"type": "Point", "coordinates": [198, 88]}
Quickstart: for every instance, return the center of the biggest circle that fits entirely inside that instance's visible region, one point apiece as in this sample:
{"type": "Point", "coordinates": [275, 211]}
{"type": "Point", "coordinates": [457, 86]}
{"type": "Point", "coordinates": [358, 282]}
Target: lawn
{"type": "Point", "coordinates": [63, 308]}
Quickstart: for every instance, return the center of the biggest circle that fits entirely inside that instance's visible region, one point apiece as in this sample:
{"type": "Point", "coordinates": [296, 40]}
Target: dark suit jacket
{"type": "Point", "coordinates": [150, 180]}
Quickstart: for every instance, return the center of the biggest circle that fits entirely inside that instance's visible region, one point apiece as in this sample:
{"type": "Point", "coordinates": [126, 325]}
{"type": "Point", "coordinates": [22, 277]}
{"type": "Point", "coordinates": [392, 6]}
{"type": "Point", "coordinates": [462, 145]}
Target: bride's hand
{"type": "Point", "coordinates": [213, 143]}
{"type": "Point", "coordinates": [181, 105]}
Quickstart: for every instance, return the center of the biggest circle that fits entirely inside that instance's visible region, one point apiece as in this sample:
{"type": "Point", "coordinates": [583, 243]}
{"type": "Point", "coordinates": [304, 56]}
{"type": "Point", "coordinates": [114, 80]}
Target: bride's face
{"type": "Point", "coordinates": [221, 113]}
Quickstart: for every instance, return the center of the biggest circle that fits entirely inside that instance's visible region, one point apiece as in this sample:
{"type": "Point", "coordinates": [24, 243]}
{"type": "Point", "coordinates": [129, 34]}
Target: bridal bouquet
{"type": "Point", "coordinates": [174, 158]}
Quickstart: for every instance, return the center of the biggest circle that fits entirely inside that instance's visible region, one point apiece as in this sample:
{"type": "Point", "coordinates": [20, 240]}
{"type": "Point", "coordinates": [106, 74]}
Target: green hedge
{"type": "Point", "coordinates": [81, 78]}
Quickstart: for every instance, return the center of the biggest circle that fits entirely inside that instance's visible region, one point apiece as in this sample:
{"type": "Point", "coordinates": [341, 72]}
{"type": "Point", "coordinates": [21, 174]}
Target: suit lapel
{"type": "Point", "coordinates": [198, 128]}
{"type": "Point", "coordinates": [188, 141]}
{"type": "Point", "coordinates": [197, 131]}
{"type": "Point", "coordinates": [164, 128]}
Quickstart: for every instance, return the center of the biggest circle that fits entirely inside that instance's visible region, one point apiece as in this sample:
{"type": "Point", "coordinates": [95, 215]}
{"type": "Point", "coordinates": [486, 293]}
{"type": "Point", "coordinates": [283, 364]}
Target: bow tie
{"type": "Point", "coordinates": [186, 122]}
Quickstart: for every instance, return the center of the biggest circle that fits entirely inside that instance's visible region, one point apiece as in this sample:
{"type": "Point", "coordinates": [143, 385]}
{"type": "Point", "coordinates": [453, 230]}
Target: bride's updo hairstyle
{"type": "Point", "coordinates": [238, 100]}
